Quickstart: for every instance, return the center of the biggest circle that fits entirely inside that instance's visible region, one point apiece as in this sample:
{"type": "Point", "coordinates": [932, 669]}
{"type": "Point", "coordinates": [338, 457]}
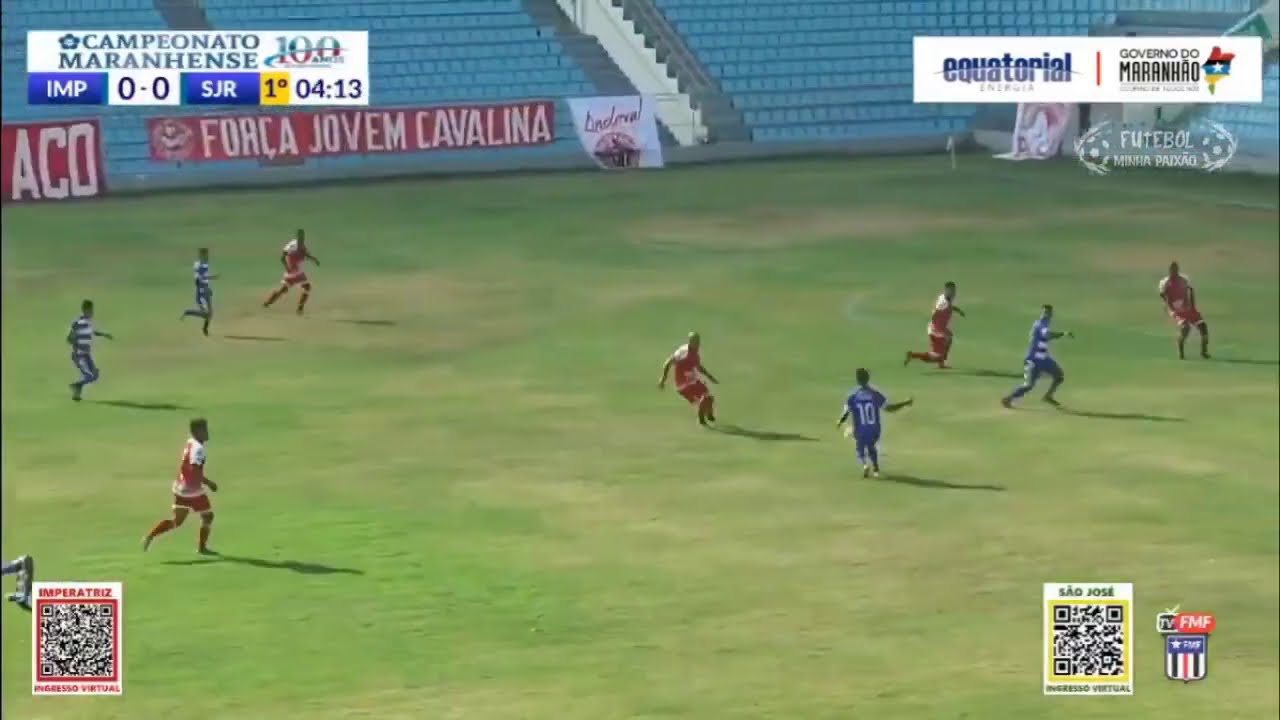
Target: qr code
{"type": "Point", "coordinates": [1089, 640]}
{"type": "Point", "coordinates": [77, 640]}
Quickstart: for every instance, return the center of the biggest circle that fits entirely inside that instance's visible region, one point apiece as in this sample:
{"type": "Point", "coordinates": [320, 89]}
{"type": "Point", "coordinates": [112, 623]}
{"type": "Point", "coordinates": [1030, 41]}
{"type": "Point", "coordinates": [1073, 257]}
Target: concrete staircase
{"type": "Point", "coordinates": [724, 122]}
{"type": "Point", "coordinates": [588, 53]}
{"type": "Point", "coordinates": [183, 14]}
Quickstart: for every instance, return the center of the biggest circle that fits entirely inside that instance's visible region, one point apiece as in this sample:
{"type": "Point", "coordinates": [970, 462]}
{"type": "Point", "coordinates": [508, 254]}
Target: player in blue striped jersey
{"type": "Point", "coordinates": [80, 338]}
{"type": "Point", "coordinates": [864, 406]}
{"type": "Point", "coordinates": [1038, 361]}
{"type": "Point", "coordinates": [25, 568]}
{"type": "Point", "coordinates": [204, 290]}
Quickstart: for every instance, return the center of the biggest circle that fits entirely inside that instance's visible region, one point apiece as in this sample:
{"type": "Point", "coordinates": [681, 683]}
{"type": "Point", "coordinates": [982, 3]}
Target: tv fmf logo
{"type": "Point", "coordinates": [1186, 643]}
{"type": "Point", "coordinates": [300, 51]}
{"type": "Point", "coordinates": [1008, 69]}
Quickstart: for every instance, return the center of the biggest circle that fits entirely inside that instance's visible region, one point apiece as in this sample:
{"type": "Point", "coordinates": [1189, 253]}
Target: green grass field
{"type": "Point", "coordinates": [454, 491]}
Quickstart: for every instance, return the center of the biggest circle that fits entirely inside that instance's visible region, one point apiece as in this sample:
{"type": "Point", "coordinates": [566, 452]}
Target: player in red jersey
{"type": "Point", "coordinates": [687, 361]}
{"type": "Point", "coordinates": [940, 337]}
{"type": "Point", "coordinates": [1180, 300]}
{"type": "Point", "coordinates": [293, 256]}
{"type": "Point", "coordinates": [189, 490]}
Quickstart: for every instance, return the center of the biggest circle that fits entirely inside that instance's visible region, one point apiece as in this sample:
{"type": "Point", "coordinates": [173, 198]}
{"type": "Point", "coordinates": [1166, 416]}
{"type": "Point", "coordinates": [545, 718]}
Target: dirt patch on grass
{"type": "Point", "coordinates": [781, 228]}
{"type": "Point", "coordinates": [424, 312]}
{"type": "Point", "coordinates": [624, 293]}
{"type": "Point", "coordinates": [1152, 258]}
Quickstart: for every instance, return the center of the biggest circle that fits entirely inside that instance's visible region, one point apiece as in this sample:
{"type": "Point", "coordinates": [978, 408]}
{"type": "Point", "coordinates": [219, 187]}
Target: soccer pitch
{"type": "Point", "coordinates": [453, 490]}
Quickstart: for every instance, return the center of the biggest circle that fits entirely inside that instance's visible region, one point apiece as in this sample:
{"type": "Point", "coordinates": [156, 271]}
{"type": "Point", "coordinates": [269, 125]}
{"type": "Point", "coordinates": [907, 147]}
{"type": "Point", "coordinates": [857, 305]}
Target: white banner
{"type": "Point", "coordinates": [618, 132]}
{"type": "Point", "coordinates": [1160, 70]}
{"type": "Point", "coordinates": [1038, 131]}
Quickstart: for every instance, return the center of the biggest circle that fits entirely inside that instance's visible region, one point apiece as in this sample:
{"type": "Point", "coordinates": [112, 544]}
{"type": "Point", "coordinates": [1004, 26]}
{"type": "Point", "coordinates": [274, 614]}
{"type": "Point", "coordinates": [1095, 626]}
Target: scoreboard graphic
{"type": "Point", "coordinates": [266, 68]}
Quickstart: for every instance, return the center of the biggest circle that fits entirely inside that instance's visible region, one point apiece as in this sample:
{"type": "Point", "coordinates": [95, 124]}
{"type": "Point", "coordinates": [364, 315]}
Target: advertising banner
{"type": "Point", "coordinates": [618, 132]}
{"type": "Point", "coordinates": [279, 137]}
{"type": "Point", "coordinates": [1039, 130]}
{"type": "Point", "coordinates": [54, 160]}
{"type": "Point", "coordinates": [1156, 70]}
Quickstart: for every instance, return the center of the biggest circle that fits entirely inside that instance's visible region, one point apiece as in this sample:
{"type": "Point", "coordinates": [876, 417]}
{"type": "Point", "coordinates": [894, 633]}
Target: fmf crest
{"type": "Point", "coordinates": [1186, 657]}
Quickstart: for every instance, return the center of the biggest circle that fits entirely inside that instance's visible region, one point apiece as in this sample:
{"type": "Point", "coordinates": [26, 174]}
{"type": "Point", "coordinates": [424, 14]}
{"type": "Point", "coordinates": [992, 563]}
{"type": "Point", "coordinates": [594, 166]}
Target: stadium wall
{"type": "Point", "coordinates": [385, 168]}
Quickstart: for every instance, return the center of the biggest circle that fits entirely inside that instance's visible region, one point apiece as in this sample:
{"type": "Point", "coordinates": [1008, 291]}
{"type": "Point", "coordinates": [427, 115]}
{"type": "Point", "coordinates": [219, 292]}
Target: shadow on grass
{"type": "Point", "coordinates": [765, 435]}
{"type": "Point", "coordinates": [937, 484]}
{"type": "Point", "coordinates": [303, 568]}
{"type": "Point", "coordinates": [255, 338]}
{"type": "Point", "coordinates": [131, 405]}
{"type": "Point", "coordinates": [1119, 416]}
{"type": "Point", "coordinates": [373, 323]}
{"type": "Point", "coordinates": [1244, 361]}
{"type": "Point", "coordinates": [983, 373]}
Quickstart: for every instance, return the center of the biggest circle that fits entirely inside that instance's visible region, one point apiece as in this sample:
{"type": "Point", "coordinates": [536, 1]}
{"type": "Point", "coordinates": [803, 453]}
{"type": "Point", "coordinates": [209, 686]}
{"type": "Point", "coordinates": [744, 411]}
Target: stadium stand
{"type": "Point", "coordinates": [422, 53]}
{"type": "Point", "coordinates": [796, 69]}
{"type": "Point", "coordinates": [1257, 127]}
{"type": "Point", "coordinates": [837, 69]}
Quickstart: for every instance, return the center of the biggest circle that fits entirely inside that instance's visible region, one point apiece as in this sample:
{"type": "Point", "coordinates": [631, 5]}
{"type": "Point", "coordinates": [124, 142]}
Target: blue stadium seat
{"type": "Point", "coordinates": [1255, 126]}
{"type": "Point", "coordinates": [799, 69]}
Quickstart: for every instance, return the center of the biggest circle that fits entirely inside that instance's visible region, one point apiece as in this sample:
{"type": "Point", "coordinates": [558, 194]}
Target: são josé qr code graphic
{"type": "Point", "coordinates": [77, 638]}
{"type": "Point", "coordinates": [1088, 638]}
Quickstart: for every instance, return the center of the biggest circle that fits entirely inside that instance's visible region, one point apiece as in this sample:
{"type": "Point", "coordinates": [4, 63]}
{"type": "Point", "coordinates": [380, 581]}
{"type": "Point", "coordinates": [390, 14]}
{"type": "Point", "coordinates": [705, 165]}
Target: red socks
{"type": "Point", "coordinates": [161, 528]}
{"type": "Point", "coordinates": [165, 526]}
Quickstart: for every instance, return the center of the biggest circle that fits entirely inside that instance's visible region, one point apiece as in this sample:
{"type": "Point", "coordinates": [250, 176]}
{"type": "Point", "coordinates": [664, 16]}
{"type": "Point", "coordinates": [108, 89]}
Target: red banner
{"type": "Point", "coordinates": [364, 131]}
{"type": "Point", "coordinates": [55, 160]}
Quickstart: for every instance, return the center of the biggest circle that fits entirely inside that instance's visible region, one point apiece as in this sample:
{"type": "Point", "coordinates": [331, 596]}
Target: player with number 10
{"type": "Point", "coordinates": [864, 406]}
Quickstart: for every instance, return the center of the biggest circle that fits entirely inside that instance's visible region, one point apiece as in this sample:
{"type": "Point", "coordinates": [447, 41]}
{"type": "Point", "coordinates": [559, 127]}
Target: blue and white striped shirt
{"type": "Point", "coordinates": [1039, 347]}
{"type": "Point", "coordinates": [201, 272]}
{"type": "Point", "coordinates": [82, 335]}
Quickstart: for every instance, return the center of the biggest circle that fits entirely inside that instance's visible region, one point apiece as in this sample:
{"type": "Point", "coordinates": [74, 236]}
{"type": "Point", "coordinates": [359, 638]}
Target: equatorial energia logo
{"type": "Point", "coordinates": [1204, 145]}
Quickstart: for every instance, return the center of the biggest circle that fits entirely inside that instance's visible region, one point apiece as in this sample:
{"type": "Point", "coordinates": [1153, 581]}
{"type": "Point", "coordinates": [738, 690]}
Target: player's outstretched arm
{"type": "Point", "coordinates": [895, 407]}
{"type": "Point", "coordinates": [313, 258]}
{"type": "Point", "coordinates": [284, 260]}
{"type": "Point", "coordinates": [843, 416]}
{"type": "Point", "coordinates": [1054, 335]}
{"type": "Point", "coordinates": [106, 335]}
{"type": "Point", "coordinates": [210, 484]}
{"type": "Point", "coordinates": [958, 310]}
{"type": "Point", "coordinates": [666, 370]}
{"type": "Point", "coordinates": [702, 369]}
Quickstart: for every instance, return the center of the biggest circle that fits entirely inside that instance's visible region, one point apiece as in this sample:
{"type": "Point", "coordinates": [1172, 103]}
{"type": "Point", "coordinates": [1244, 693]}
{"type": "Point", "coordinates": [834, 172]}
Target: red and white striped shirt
{"type": "Point", "coordinates": [940, 321]}
{"type": "Point", "coordinates": [190, 482]}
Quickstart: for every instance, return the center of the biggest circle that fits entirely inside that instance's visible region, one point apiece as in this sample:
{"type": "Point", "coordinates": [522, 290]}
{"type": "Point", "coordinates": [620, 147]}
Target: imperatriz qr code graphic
{"type": "Point", "coordinates": [76, 638]}
{"type": "Point", "coordinates": [1088, 639]}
